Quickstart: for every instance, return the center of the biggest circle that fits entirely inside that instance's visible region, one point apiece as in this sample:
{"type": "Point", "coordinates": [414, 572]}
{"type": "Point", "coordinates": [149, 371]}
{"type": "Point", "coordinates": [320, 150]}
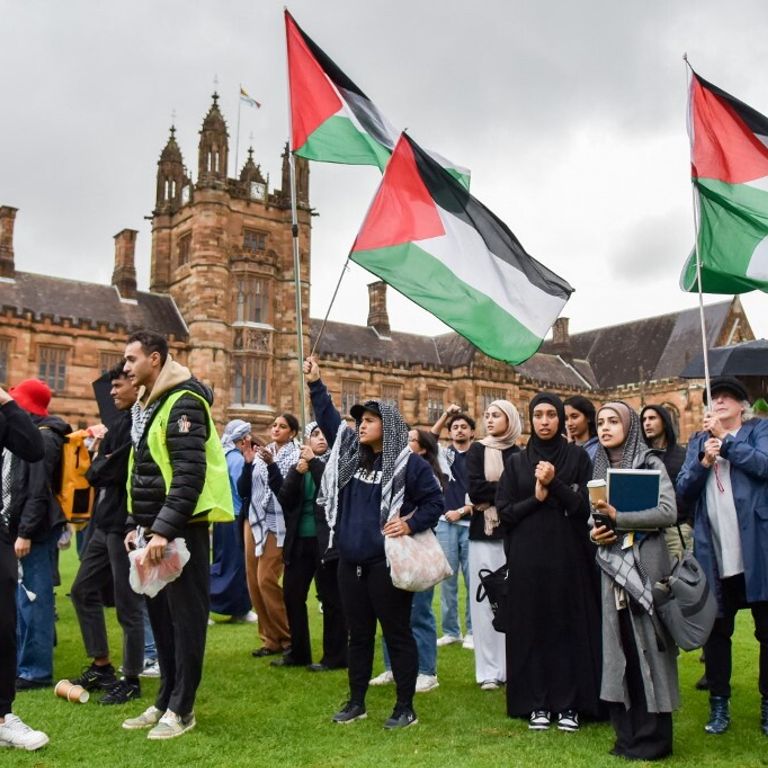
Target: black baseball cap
{"type": "Point", "coordinates": [357, 410]}
{"type": "Point", "coordinates": [727, 384]}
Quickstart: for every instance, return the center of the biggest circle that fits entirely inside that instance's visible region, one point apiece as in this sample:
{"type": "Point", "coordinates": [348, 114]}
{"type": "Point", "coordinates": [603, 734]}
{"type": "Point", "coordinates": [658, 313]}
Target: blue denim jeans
{"type": "Point", "coordinates": [454, 539]}
{"type": "Point", "coordinates": [150, 649]}
{"type": "Point", "coordinates": [35, 622]}
{"type": "Point", "coordinates": [424, 631]}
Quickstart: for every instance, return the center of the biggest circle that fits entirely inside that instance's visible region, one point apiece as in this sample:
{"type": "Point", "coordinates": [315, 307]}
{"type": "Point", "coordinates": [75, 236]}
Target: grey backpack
{"type": "Point", "coordinates": [685, 604]}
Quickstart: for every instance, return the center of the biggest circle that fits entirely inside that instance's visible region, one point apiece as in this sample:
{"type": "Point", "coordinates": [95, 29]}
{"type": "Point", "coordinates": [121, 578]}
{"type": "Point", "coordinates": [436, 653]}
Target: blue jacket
{"type": "Point", "coordinates": [358, 527]}
{"type": "Point", "coordinates": [748, 454]}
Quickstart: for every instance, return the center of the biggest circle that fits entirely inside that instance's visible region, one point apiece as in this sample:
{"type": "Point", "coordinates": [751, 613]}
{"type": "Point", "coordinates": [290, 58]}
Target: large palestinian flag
{"type": "Point", "coordinates": [426, 236]}
{"type": "Point", "coordinates": [729, 166]}
{"type": "Point", "coordinates": [332, 120]}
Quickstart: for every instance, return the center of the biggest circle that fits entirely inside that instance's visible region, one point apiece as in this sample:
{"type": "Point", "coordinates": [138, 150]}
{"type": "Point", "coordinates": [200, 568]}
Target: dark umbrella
{"type": "Point", "coordinates": [107, 410]}
{"type": "Point", "coordinates": [747, 359]}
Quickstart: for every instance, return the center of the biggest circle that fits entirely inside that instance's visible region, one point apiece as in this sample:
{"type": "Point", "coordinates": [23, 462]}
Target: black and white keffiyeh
{"type": "Point", "coordinates": [345, 459]}
{"type": "Point", "coordinates": [622, 565]}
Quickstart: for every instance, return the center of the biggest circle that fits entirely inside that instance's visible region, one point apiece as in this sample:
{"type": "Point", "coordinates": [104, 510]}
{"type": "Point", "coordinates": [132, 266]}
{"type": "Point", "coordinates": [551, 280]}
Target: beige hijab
{"type": "Point", "coordinates": [495, 444]}
{"type": "Point", "coordinates": [493, 464]}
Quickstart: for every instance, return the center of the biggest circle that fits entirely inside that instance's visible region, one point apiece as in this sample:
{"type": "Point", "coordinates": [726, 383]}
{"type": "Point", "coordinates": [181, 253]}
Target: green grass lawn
{"type": "Point", "coordinates": [251, 714]}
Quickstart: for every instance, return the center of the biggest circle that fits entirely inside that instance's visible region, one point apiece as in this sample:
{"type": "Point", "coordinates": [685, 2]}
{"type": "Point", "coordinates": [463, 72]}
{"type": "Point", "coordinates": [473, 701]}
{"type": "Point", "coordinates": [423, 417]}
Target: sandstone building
{"type": "Point", "coordinates": [222, 289]}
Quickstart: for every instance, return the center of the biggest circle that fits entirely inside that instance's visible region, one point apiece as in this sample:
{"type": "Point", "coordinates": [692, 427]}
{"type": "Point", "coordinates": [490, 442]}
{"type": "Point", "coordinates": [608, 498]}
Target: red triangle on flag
{"type": "Point", "coordinates": [724, 148]}
{"type": "Point", "coordinates": [313, 99]}
{"type": "Point", "coordinates": [403, 210]}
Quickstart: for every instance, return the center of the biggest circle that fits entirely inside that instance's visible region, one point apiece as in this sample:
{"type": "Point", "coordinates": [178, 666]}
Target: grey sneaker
{"type": "Point", "coordinates": [401, 717]}
{"type": "Point", "coordinates": [15, 733]}
{"type": "Point", "coordinates": [149, 717]}
{"type": "Point", "coordinates": [171, 725]}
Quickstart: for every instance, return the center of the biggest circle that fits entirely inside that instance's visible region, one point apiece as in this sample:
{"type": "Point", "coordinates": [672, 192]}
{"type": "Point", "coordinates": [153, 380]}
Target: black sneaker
{"type": "Point", "coordinates": [121, 692]}
{"type": "Point", "coordinates": [95, 678]}
{"type": "Point", "coordinates": [401, 717]}
{"type": "Point", "coordinates": [349, 713]}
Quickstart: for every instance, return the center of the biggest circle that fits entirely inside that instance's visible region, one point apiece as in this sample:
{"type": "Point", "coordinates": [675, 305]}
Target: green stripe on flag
{"type": "Point", "coordinates": [430, 284]}
{"type": "Point", "coordinates": [733, 219]}
{"type": "Point", "coordinates": [338, 140]}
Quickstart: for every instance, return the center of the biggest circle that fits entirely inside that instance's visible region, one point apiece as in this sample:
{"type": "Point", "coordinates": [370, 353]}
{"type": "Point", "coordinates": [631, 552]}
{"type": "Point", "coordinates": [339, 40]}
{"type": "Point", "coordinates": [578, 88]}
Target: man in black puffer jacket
{"type": "Point", "coordinates": [178, 483]}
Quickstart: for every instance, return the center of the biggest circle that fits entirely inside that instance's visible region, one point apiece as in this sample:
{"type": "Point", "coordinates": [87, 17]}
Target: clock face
{"type": "Point", "coordinates": [258, 190]}
{"type": "Point", "coordinates": [186, 194]}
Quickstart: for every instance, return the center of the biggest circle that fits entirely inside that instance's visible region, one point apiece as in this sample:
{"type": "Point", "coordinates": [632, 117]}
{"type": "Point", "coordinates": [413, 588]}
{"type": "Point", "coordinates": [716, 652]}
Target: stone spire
{"type": "Point", "coordinates": [170, 176]}
{"type": "Point", "coordinates": [213, 149]}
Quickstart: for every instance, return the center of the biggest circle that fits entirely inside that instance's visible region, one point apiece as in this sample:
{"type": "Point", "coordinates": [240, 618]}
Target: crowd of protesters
{"type": "Point", "coordinates": [250, 525]}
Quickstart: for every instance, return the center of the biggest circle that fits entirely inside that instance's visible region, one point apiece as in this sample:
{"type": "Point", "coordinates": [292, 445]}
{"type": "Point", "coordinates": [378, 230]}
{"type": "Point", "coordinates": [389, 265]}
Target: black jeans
{"type": "Point", "coordinates": [104, 563]}
{"type": "Point", "coordinates": [9, 576]}
{"type": "Point", "coordinates": [335, 633]}
{"type": "Point", "coordinates": [367, 594]}
{"type": "Point", "coordinates": [179, 618]}
{"type": "Point", "coordinates": [304, 565]}
{"type": "Point", "coordinates": [717, 651]}
{"type": "Point", "coordinates": [297, 578]}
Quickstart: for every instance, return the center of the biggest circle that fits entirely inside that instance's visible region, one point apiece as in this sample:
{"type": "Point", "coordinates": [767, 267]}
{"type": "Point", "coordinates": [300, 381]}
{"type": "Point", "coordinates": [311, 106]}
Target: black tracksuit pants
{"type": "Point", "coordinates": [104, 562]}
{"type": "Point", "coordinates": [368, 595]}
{"type": "Point", "coordinates": [179, 618]}
{"type": "Point", "coordinates": [9, 576]}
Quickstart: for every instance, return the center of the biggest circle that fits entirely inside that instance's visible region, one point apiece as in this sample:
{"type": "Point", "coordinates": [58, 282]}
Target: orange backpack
{"type": "Point", "coordinates": [73, 491]}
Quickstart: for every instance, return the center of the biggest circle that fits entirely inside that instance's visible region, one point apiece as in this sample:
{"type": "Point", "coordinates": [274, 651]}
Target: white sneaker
{"type": "Point", "coordinates": [447, 640]}
{"type": "Point", "coordinates": [425, 683]}
{"type": "Point", "coordinates": [489, 685]}
{"type": "Point", "coordinates": [251, 617]}
{"type": "Point", "coordinates": [244, 618]}
{"type": "Point", "coordinates": [171, 725]}
{"type": "Point", "coordinates": [151, 668]}
{"type": "Point", "coordinates": [15, 733]}
{"type": "Point", "coordinates": [385, 678]}
{"type": "Point", "coordinates": [149, 717]}
{"type": "Point", "coordinates": [468, 643]}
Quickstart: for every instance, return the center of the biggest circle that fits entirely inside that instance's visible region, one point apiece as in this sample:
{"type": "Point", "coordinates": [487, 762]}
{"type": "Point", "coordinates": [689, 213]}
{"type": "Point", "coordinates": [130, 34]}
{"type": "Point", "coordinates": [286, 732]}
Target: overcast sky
{"type": "Point", "coordinates": [571, 116]}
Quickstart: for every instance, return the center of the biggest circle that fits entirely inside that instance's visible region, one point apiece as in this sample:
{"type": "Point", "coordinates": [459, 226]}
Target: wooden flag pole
{"type": "Point", "coordinates": [694, 199]}
{"type": "Point", "coordinates": [296, 255]}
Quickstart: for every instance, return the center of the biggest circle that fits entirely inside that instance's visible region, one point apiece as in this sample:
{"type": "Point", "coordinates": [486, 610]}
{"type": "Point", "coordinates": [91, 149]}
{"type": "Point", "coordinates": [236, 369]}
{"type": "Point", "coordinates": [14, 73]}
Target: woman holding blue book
{"type": "Point", "coordinates": [639, 679]}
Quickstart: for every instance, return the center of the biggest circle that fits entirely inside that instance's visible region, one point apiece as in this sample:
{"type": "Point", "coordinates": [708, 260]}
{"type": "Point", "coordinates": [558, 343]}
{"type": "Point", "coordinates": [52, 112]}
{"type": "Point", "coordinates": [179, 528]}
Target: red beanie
{"type": "Point", "coordinates": [32, 395]}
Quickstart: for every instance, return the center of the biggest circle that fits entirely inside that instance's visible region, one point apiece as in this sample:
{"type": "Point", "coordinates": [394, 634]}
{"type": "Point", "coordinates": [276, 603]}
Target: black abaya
{"type": "Point", "coordinates": [553, 640]}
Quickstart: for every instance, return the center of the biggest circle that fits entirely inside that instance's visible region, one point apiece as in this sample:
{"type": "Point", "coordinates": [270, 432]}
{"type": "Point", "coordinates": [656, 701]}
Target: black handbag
{"type": "Point", "coordinates": [493, 585]}
{"type": "Point", "coordinates": [685, 603]}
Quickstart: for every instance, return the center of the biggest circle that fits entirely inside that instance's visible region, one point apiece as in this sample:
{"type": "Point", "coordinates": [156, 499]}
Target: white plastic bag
{"type": "Point", "coordinates": [149, 578]}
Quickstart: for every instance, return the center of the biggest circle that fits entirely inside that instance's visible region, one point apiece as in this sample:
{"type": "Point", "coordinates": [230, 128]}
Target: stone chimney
{"type": "Point", "coordinates": [561, 340]}
{"type": "Point", "coordinates": [378, 319]}
{"type": "Point", "coordinates": [124, 274]}
{"type": "Point", "coordinates": [7, 220]}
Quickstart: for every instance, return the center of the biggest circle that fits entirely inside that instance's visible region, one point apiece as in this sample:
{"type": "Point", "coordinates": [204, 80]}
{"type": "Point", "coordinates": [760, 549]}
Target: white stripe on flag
{"type": "Point", "coordinates": [465, 253]}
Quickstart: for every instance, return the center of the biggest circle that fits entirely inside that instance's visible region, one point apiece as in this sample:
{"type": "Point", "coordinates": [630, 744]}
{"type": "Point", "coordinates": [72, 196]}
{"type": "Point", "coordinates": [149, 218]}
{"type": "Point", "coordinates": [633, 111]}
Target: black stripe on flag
{"type": "Point", "coordinates": [449, 195]}
{"type": "Point", "coordinates": [329, 67]}
{"type": "Point", "coordinates": [756, 122]}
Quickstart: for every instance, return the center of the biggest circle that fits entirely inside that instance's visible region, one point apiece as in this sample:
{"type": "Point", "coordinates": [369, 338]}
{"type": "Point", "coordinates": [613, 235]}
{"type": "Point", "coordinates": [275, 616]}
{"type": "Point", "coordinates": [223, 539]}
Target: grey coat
{"type": "Point", "coordinates": [659, 666]}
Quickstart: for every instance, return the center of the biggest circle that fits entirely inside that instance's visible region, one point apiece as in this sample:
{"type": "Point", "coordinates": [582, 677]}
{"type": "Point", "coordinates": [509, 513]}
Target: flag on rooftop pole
{"type": "Point", "coordinates": [428, 238]}
{"type": "Point", "coordinates": [729, 170]}
{"type": "Point", "coordinates": [249, 100]}
{"type": "Point", "coordinates": [333, 121]}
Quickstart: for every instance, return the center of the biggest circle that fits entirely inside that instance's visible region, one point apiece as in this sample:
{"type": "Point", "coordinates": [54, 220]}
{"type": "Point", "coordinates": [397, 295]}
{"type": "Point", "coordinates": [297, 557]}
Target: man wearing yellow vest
{"type": "Point", "coordinates": [177, 484]}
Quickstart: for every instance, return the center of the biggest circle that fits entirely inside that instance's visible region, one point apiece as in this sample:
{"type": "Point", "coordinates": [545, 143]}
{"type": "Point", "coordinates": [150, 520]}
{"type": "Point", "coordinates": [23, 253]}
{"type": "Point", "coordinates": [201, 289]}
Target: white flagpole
{"type": "Point", "coordinates": [237, 133]}
{"type": "Point", "coordinates": [296, 255]}
{"type": "Point", "coordinates": [695, 201]}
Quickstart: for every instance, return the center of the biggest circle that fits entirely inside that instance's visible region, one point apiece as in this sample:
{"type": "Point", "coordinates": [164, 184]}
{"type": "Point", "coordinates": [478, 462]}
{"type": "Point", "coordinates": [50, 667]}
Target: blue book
{"type": "Point", "coordinates": [633, 490]}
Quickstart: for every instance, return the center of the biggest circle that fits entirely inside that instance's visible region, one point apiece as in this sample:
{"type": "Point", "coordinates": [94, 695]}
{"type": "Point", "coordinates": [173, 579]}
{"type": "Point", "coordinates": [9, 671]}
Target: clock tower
{"type": "Point", "coordinates": [222, 248]}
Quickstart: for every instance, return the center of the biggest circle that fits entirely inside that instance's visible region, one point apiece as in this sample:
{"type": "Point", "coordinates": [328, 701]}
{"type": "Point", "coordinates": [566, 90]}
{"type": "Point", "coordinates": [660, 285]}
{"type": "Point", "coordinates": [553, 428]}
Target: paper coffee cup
{"type": "Point", "coordinates": [597, 490]}
{"type": "Point", "coordinates": [74, 693]}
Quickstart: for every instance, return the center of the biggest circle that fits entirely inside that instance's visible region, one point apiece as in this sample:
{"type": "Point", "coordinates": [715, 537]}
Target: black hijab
{"type": "Point", "coordinates": [554, 449]}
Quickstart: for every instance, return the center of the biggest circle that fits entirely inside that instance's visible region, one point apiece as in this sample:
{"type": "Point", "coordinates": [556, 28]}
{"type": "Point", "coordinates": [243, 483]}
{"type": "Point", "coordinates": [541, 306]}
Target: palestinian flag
{"type": "Point", "coordinates": [332, 120]}
{"type": "Point", "coordinates": [729, 167]}
{"type": "Point", "coordinates": [427, 237]}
